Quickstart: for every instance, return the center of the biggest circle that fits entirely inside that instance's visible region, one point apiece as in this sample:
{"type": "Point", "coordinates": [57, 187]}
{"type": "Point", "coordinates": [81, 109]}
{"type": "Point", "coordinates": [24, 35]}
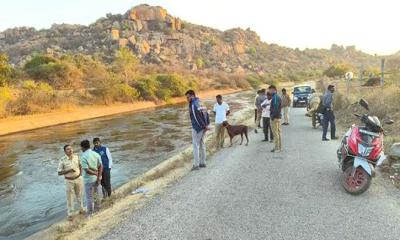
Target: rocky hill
{"type": "Point", "coordinates": [156, 37]}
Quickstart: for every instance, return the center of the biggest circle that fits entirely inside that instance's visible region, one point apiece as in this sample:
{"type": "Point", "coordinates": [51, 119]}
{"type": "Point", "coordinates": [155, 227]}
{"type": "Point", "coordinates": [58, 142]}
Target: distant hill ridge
{"type": "Point", "coordinates": [156, 37]}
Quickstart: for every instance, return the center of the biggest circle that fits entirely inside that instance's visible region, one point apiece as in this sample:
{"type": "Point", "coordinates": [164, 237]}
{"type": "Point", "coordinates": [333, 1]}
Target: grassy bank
{"type": "Point", "coordinates": [122, 203]}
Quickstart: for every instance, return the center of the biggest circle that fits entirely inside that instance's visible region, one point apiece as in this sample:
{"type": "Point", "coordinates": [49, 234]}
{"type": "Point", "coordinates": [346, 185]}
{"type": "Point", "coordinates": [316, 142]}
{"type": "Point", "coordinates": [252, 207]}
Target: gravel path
{"type": "Point", "coordinates": [250, 193]}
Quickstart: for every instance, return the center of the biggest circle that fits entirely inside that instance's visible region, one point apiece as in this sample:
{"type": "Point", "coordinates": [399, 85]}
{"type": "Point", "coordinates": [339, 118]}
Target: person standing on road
{"type": "Point", "coordinates": [221, 111]}
{"type": "Point", "coordinates": [314, 102]}
{"type": "Point", "coordinates": [70, 167]}
{"type": "Point", "coordinates": [266, 113]}
{"type": "Point", "coordinates": [285, 106]}
{"type": "Point", "coordinates": [92, 172]}
{"type": "Point", "coordinates": [200, 122]}
{"type": "Point", "coordinates": [106, 161]}
{"type": "Point", "coordinates": [276, 115]}
{"type": "Point", "coordinates": [329, 116]}
{"type": "Point", "coordinates": [255, 109]}
{"type": "Point", "coordinates": [261, 98]}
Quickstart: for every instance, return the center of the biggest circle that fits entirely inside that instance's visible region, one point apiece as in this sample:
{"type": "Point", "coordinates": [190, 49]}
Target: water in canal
{"type": "Point", "coordinates": [32, 196]}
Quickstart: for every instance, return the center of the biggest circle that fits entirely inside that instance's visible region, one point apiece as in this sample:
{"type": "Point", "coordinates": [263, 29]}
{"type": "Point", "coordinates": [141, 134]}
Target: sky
{"type": "Point", "coordinates": [370, 25]}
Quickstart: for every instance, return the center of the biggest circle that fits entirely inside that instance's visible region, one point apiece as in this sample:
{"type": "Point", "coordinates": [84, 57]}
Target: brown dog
{"type": "Point", "coordinates": [236, 130]}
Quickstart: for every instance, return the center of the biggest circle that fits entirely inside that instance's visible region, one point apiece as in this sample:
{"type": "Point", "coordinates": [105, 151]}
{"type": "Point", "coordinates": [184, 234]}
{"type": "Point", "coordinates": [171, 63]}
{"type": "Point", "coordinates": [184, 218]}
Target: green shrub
{"type": "Point", "coordinates": [337, 70]}
{"type": "Point", "coordinates": [5, 97]}
{"type": "Point", "coordinates": [164, 94]}
{"type": "Point", "coordinates": [254, 81]}
{"type": "Point", "coordinates": [147, 87]}
{"type": "Point", "coordinates": [272, 82]}
{"type": "Point", "coordinates": [33, 98]}
{"type": "Point", "coordinates": [125, 64]}
{"type": "Point", "coordinates": [199, 63]}
{"type": "Point", "coordinates": [252, 51]}
{"type": "Point", "coordinates": [174, 83]}
{"type": "Point", "coordinates": [192, 82]}
{"type": "Point", "coordinates": [5, 70]}
{"type": "Point", "coordinates": [58, 73]}
{"type": "Point", "coordinates": [125, 93]}
{"type": "Point", "coordinates": [29, 85]}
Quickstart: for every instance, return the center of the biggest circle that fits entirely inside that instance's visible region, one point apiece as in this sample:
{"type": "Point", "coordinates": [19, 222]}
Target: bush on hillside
{"type": "Point", "coordinates": [147, 87]}
{"type": "Point", "coordinates": [124, 93]}
{"type": "Point", "coordinates": [254, 81]}
{"type": "Point", "coordinates": [173, 82]}
{"type": "Point", "coordinates": [125, 65]}
{"type": "Point", "coordinates": [5, 70]}
{"type": "Point", "coordinates": [33, 98]}
{"type": "Point", "coordinates": [60, 74]}
{"type": "Point", "coordinates": [338, 70]}
{"type": "Point", "coordinates": [5, 97]}
{"type": "Point", "coordinates": [240, 81]}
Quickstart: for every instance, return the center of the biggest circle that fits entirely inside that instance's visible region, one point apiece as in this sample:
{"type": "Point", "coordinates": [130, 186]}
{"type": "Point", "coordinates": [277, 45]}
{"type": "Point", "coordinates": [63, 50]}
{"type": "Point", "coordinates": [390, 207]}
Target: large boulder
{"type": "Point", "coordinates": [145, 12]}
{"type": "Point", "coordinates": [123, 42]}
{"type": "Point", "coordinates": [115, 34]}
{"type": "Point", "coordinates": [143, 47]}
{"type": "Point", "coordinates": [394, 152]}
{"type": "Point", "coordinates": [152, 18]}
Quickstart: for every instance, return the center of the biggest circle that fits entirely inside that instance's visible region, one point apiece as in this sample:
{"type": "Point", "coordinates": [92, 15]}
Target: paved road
{"type": "Point", "coordinates": [250, 193]}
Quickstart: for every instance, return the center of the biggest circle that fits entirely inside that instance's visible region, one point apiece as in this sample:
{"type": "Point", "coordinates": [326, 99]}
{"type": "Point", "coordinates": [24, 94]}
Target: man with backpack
{"type": "Point", "coordinates": [200, 121]}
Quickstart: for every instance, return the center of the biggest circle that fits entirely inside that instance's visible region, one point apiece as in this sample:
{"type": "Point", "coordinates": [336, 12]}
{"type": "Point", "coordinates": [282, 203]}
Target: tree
{"type": "Point", "coordinates": [58, 73]}
{"type": "Point", "coordinates": [336, 70]}
{"type": "Point", "coordinates": [125, 64]}
{"type": "Point", "coordinates": [5, 70]}
{"type": "Point", "coordinates": [199, 63]}
{"type": "Point", "coordinates": [173, 82]}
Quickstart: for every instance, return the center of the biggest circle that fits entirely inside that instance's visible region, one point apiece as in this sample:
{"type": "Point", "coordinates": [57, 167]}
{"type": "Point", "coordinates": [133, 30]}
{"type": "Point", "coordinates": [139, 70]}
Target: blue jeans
{"type": "Point", "coordinates": [92, 197]}
{"type": "Point", "coordinates": [329, 117]}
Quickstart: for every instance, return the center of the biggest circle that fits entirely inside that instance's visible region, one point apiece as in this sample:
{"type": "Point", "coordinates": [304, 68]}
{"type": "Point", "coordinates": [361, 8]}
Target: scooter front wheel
{"type": "Point", "coordinates": [356, 183]}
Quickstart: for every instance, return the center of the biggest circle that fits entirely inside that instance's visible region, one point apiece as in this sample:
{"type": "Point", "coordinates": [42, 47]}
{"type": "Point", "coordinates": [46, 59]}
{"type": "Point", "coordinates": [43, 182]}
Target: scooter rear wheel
{"type": "Point", "coordinates": [358, 183]}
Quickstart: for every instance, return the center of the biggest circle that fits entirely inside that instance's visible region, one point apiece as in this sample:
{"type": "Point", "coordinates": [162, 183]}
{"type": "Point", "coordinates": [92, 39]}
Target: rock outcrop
{"type": "Point", "coordinates": [159, 38]}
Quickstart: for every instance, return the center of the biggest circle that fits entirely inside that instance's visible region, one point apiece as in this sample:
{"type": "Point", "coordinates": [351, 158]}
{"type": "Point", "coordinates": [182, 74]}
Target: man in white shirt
{"type": "Point", "coordinates": [221, 111]}
{"type": "Point", "coordinates": [266, 106]}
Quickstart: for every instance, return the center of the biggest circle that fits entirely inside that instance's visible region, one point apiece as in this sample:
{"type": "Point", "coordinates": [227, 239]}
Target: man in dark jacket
{"type": "Point", "coordinates": [329, 116]}
{"type": "Point", "coordinates": [106, 161]}
{"type": "Point", "coordinates": [199, 129]}
{"type": "Point", "coordinates": [276, 115]}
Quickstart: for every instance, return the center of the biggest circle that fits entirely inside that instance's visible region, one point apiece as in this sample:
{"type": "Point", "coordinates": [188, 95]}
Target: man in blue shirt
{"type": "Point", "coordinates": [92, 168]}
{"type": "Point", "coordinates": [329, 116]}
{"type": "Point", "coordinates": [106, 161]}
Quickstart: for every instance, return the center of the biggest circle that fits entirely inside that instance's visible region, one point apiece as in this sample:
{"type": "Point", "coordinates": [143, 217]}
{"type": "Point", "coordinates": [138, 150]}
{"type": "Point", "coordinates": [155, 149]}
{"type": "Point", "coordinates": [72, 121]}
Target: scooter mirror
{"type": "Point", "coordinates": [364, 104]}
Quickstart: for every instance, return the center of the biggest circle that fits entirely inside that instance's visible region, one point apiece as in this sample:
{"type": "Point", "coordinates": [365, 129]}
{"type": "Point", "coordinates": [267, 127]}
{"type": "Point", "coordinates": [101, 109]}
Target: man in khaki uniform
{"type": "Point", "coordinates": [70, 167]}
{"type": "Point", "coordinates": [285, 106]}
{"type": "Point", "coordinates": [276, 115]}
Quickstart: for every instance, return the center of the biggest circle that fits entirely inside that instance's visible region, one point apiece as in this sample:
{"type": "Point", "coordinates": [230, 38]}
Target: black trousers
{"type": "Point", "coordinates": [329, 117]}
{"type": "Point", "coordinates": [267, 128]}
{"type": "Point", "coordinates": [106, 182]}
